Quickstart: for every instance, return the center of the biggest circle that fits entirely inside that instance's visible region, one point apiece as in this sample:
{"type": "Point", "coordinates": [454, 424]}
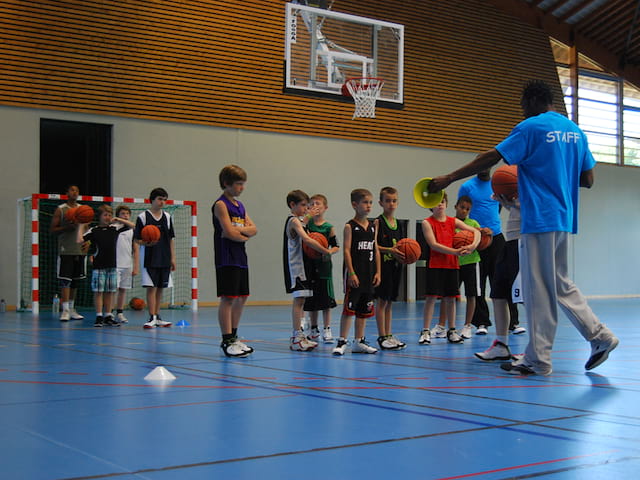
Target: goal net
{"type": "Point", "coordinates": [38, 252]}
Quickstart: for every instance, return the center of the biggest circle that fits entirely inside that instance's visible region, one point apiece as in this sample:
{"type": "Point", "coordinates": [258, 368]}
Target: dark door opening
{"type": "Point", "coordinates": [75, 152]}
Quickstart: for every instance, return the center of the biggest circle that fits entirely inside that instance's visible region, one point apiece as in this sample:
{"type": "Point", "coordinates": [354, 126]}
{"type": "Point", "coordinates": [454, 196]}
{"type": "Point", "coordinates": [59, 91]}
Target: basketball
{"type": "Point", "coordinates": [321, 239]}
{"type": "Point", "coordinates": [70, 215]}
{"type": "Point", "coordinates": [411, 250]}
{"type": "Point", "coordinates": [485, 239]}
{"type": "Point", "coordinates": [136, 303]}
{"type": "Point", "coordinates": [462, 238]}
{"type": "Point", "coordinates": [150, 234]}
{"type": "Point", "coordinates": [84, 214]}
{"type": "Point", "coordinates": [504, 181]}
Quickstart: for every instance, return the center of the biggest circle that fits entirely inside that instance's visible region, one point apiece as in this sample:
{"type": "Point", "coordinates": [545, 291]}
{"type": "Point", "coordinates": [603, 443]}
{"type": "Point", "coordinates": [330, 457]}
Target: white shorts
{"type": "Point", "coordinates": [148, 282]}
{"type": "Point", "coordinates": [302, 293]}
{"type": "Point", "coordinates": [125, 278]}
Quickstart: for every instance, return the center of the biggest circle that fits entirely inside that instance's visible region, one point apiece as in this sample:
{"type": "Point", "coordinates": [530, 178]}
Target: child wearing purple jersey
{"type": "Point", "coordinates": [232, 228]}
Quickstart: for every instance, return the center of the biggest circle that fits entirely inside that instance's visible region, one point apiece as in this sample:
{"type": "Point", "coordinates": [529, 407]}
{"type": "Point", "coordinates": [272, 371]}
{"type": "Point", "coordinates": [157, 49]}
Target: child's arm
{"type": "Point", "coordinates": [81, 229]}
{"type": "Point", "coordinates": [397, 254]}
{"type": "Point", "coordinates": [476, 236]}
{"type": "Point", "coordinates": [352, 277]}
{"type": "Point", "coordinates": [123, 221]}
{"type": "Point", "coordinates": [228, 229]}
{"type": "Point", "coordinates": [136, 258]}
{"type": "Point", "coordinates": [377, 277]}
{"type": "Point", "coordinates": [297, 227]}
{"type": "Point", "coordinates": [172, 244]}
{"type": "Point", "coordinates": [249, 229]}
{"type": "Point", "coordinates": [333, 242]}
{"type": "Point", "coordinates": [430, 237]}
{"type": "Point", "coordinates": [56, 223]}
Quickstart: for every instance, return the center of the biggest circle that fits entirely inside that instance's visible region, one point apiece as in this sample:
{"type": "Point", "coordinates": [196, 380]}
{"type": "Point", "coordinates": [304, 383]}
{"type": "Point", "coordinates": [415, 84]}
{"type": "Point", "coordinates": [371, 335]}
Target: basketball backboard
{"type": "Point", "coordinates": [324, 48]}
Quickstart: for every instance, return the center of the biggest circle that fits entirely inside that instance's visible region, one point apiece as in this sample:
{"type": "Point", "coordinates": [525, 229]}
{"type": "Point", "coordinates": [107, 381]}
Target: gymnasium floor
{"type": "Point", "coordinates": [74, 404]}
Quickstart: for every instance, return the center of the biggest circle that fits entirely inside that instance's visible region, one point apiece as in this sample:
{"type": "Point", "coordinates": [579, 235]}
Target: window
{"type": "Point", "coordinates": [608, 109]}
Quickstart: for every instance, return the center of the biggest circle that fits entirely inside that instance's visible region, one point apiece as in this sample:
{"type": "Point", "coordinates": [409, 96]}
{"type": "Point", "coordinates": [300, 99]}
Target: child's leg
{"type": "Point", "coordinates": [151, 300]}
{"type": "Point", "coordinates": [471, 308]}
{"type": "Point", "coordinates": [224, 315]}
{"type": "Point", "coordinates": [429, 307]}
{"type": "Point", "coordinates": [98, 302]}
{"type": "Point", "coordinates": [449, 306]}
{"type": "Point", "coordinates": [345, 325]}
{"type": "Point", "coordinates": [159, 292]}
{"type": "Point", "coordinates": [381, 317]}
{"type": "Point", "coordinates": [359, 330]}
{"type": "Point", "coordinates": [297, 313]}
{"type": "Point", "coordinates": [108, 302]}
{"type": "Point", "coordinates": [326, 317]}
{"type": "Point", "coordinates": [236, 311]}
{"type": "Point", "coordinates": [313, 319]}
{"type": "Point", "coordinates": [122, 294]}
{"type": "Point", "coordinates": [501, 314]}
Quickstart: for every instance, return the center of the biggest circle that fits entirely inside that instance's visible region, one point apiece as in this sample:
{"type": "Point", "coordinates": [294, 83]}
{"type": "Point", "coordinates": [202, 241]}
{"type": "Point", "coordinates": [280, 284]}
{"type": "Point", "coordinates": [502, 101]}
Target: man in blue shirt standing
{"type": "Point", "coordinates": [553, 161]}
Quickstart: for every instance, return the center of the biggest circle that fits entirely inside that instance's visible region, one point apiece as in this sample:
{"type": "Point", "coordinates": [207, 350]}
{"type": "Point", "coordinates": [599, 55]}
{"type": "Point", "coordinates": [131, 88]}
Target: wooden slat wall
{"type": "Point", "coordinates": [221, 63]}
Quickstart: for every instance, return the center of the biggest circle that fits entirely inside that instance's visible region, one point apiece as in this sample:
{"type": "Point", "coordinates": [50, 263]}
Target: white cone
{"type": "Point", "coordinates": [160, 374]}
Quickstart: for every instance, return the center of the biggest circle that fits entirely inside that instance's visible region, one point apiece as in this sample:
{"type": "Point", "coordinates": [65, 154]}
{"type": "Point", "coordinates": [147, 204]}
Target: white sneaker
{"type": "Point", "coordinates": [425, 337]}
{"type": "Point", "coordinates": [361, 346]}
{"type": "Point", "coordinates": [467, 331]}
{"type": "Point", "coordinates": [314, 334]}
{"type": "Point", "coordinates": [300, 343]}
{"type": "Point", "coordinates": [439, 332]}
{"type": "Point", "coordinates": [600, 349]}
{"type": "Point", "coordinates": [120, 318]}
{"type": "Point", "coordinates": [398, 342]}
{"type": "Point", "coordinates": [75, 315]}
{"type": "Point", "coordinates": [482, 330]}
{"type": "Point", "coordinates": [341, 347]}
{"type": "Point", "coordinates": [518, 330]}
{"type": "Point", "coordinates": [246, 348]}
{"type": "Point", "coordinates": [152, 323]}
{"type": "Point", "coordinates": [234, 349]}
{"type": "Point", "coordinates": [65, 316]}
{"type": "Point", "coordinates": [497, 351]}
{"type": "Point", "coordinates": [386, 343]}
{"type": "Point", "coordinates": [327, 337]}
{"type": "Point", "coordinates": [453, 336]}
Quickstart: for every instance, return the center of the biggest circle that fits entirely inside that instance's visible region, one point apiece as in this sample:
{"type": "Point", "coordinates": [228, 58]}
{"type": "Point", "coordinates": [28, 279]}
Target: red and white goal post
{"type": "Point", "coordinates": [37, 251]}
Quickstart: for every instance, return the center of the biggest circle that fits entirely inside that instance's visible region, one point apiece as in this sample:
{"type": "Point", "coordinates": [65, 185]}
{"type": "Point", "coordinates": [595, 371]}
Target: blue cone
{"type": "Point", "coordinates": [182, 323]}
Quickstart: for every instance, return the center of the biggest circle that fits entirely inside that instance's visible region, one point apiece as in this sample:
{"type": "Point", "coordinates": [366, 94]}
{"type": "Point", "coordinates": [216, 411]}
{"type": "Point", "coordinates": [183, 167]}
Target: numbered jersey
{"type": "Point", "coordinates": [363, 253]}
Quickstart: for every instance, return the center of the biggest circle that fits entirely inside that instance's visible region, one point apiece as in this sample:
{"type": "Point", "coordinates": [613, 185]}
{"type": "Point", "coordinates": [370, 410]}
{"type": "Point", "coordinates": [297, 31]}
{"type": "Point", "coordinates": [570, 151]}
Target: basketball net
{"type": "Point", "coordinates": [365, 92]}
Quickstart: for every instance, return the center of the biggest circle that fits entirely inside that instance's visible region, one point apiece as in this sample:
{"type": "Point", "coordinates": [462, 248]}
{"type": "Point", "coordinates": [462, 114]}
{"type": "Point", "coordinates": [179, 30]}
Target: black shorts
{"type": "Point", "coordinates": [72, 267]}
{"type": "Point", "coordinates": [323, 297]}
{"type": "Point", "coordinates": [390, 285]}
{"type": "Point", "coordinates": [442, 282]}
{"type": "Point", "coordinates": [159, 276]}
{"type": "Point", "coordinates": [359, 303]}
{"type": "Point", "coordinates": [470, 277]}
{"type": "Point", "coordinates": [507, 268]}
{"type": "Point", "coordinates": [232, 281]}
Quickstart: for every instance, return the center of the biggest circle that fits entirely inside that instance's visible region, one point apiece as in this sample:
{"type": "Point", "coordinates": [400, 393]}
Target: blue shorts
{"type": "Point", "coordinates": [104, 280]}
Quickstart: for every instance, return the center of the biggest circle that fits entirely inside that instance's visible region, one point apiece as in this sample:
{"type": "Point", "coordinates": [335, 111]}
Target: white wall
{"type": "Point", "coordinates": [186, 159]}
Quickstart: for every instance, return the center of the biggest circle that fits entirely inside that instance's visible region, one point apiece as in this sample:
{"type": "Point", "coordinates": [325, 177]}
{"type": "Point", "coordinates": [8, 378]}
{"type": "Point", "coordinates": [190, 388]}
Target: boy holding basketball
{"type": "Point", "coordinates": [158, 258]}
{"type": "Point", "coordinates": [104, 278]}
{"type": "Point", "coordinates": [361, 271]}
{"type": "Point", "coordinates": [297, 266]}
{"type": "Point", "coordinates": [72, 258]}
{"type": "Point", "coordinates": [442, 274]}
{"type": "Point", "coordinates": [323, 298]}
{"type": "Point", "coordinates": [388, 233]}
{"type": "Point", "coordinates": [232, 228]}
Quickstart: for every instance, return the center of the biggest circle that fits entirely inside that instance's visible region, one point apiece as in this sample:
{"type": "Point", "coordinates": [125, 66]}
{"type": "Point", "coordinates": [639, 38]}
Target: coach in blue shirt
{"type": "Point", "coordinates": [553, 161]}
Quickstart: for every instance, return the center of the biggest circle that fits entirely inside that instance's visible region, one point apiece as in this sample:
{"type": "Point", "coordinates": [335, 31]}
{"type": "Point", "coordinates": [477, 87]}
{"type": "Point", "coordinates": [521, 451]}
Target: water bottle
{"type": "Point", "coordinates": [3, 306]}
{"type": "Point", "coordinates": [56, 304]}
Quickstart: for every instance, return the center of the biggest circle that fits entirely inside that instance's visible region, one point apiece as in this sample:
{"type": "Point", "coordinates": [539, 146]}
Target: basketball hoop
{"type": "Point", "coordinates": [365, 92]}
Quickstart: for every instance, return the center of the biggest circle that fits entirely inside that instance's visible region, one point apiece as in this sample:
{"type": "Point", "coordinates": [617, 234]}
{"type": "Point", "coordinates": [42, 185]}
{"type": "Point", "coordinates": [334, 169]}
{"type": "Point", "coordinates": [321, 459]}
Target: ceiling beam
{"type": "Point", "coordinates": [566, 34]}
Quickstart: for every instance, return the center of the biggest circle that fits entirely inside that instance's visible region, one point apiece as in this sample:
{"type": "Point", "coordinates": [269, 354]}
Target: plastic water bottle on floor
{"type": "Point", "coordinates": [55, 308]}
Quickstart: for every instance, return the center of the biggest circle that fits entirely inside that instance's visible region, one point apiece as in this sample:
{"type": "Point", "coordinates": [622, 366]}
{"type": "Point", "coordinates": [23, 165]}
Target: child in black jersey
{"type": "Point", "coordinates": [388, 233]}
{"type": "Point", "coordinates": [361, 271]}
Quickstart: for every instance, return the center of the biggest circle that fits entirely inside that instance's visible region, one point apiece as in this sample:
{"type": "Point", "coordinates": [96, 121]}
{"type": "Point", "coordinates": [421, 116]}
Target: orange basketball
{"type": "Point", "coordinates": [411, 250]}
{"type": "Point", "coordinates": [137, 303]}
{"type": "Point", "coordinates": [462, 238]}
{"type": "Point", "coordinates": [84, 214]}
{"type": "Point", "coordinates": [505, 181]}
{"type": "Point", "coordinates": [150, 234]}
{"type": "Point", "coordinates": [70, 215]}
{"type": "Point", "coordinates": [321, 239]}
{"type": "Point", "coordinates": [485, 239]}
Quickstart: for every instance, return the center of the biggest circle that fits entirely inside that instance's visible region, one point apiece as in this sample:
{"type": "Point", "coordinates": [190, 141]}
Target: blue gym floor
{"type": "Point", "coordinates": [74, 404]}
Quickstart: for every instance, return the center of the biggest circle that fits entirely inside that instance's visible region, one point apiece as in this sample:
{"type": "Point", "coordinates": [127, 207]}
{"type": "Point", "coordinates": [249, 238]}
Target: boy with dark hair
{"type": "Point", "coordinates": [388, 233]}
{"type": "Point", "coordinates": [104, 278]}
{"type": "Point", "coordinates": [297, 266]}
{"type": "Point", "coordinates": [323, 298]}
{"type": "Point", "coordinates": [72, 258]}
{"type": "Point", "coordinates": [127, 260]}
{"type": "Point", "coordinates": [232, 229]}
{"type": "Point", "coordinates": [158, 258]}
{"type": "Point", "coordinates": [361, 273]}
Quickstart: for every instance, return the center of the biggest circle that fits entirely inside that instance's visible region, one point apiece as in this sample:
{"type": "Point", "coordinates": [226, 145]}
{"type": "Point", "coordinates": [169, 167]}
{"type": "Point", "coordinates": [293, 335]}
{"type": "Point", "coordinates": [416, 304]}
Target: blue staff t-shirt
{"type": "Point", "coordinates": [484, 209]}
{"type": "Point", "coordinates": [551, 152]}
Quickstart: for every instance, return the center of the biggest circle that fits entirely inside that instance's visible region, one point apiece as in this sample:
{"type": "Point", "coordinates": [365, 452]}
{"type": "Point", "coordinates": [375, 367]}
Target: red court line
{"type": "Point", "coordinates": [88, 384]}
{"type": "Point", "coordinates": [33, 371]}
{"type": "Point", "coordinates": [117, 375]}
{"type": "Point", "coordinates": [546, 462]}
{"type": "Point", "coordinates": [73, 373]}
{"type": "Point", "coordinates": [411, 378]}
{"type": "Point", "coordinates": [204, 403]}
